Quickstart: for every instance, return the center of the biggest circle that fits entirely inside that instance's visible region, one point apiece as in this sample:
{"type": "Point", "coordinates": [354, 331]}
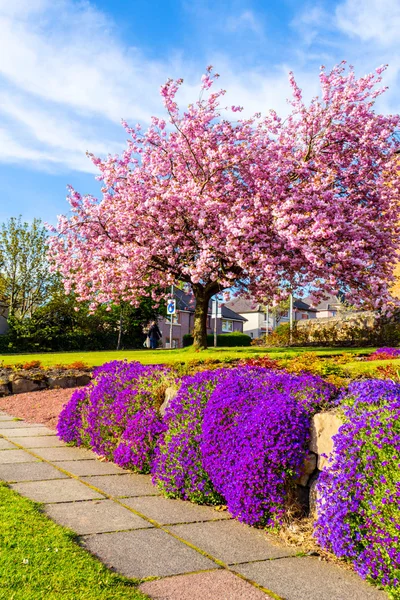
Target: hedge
{"type": "Point", "coordinates": [223, 339]}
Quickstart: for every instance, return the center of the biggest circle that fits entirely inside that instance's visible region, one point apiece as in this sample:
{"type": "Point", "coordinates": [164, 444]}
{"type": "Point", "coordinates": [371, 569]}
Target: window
{"type": "Point", "coordinates": [227, 326]}
{"type": "Point", "coordinates": [303, 316]}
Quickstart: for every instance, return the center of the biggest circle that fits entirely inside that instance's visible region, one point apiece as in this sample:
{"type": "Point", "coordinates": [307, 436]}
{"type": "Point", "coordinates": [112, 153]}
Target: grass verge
{"type": "Point", "coordinates": [39, 560]}
{"type": "Point", "coordinates": [163, 356]}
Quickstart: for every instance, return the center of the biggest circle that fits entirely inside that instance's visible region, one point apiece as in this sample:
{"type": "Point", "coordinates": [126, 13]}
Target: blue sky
{"type": "Point", "coordinates": [69, 71]}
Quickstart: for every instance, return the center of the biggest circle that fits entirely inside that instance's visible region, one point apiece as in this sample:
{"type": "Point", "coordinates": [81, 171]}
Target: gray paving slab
{"type": "Point", "coordinates": [121, 486]}
{"type": "Point", "coordinates": [26, 431]}
{"type": "Point", "coordinates": [6, 418]}
{"type": "Point", "coordinates": [309, 579]}
{"type": "Point", "coordinates": [14, 423]}
{"type": "Point", "coordinates": [146, 553]}
{"type": "Point", "coordinates": [60, 454]}
{"type": "Point", "coordinates": [95, 516]}
{"type": "Point", "coordinates": [39, 441]}
{"type": "Point", "coordinates": [37, 471]}
{"type": "Point", "coordinates": [89, 467]}
{"type": "Point", "coordinates": [230, 541]}
{"type": "Point", "coordinates": [209, 585]}
{"type": "Point", "coordinates": [6, 445]}
{"type": "Point", "coordinates": [167, 512]}
{"type": "Point", "coordinates": [15, 456]}
{"type": "Point", "coordinates": [62, 490]}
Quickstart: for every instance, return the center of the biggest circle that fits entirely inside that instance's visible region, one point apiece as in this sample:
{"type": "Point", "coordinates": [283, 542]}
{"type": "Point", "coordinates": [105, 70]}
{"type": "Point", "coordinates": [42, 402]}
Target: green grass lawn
{"type": "Point", "coordinates": [40, 560]}
{"type": "Point", "coordinates": [362, 368]}
{"type": "Point", "coordinates": [162, 356]}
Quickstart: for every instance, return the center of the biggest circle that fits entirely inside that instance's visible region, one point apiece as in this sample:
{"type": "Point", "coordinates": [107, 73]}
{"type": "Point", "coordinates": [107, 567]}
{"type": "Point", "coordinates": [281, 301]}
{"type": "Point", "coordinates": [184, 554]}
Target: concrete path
{"type": "Point", "coordinates": [188, 552]}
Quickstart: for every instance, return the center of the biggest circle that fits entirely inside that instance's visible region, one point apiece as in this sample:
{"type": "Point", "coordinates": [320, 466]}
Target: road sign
{"type": "Point", "coordinates": [171, 307]}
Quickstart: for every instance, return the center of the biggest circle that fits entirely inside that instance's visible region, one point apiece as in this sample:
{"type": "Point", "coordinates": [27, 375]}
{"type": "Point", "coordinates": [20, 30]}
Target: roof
{"type": "Point", "coordinates": [331, 303]}
{"type": "Point", "coordinates": [187, 302]}
{"type": "Point", "coordinates": [301, 305]}
{"type": "Point", "coordinates": [227, 313]}
{"type": "Point", "coordinates": [244, 305]}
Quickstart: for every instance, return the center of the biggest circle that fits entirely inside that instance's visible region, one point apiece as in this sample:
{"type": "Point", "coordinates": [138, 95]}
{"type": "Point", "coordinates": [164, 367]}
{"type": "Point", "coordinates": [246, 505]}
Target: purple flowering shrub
{"type": "Point", "coordinates": [178, 470]}
{"type": "Point", "coordinates": [359, 491]}
{"type": "Point", "coordinates": [111, 414]}
{"type": "Point", "coordinates": [384, 354]}
{"type": "Point", "coordinates": [136, 448]}
{"type": "Point", "coordinates": [255, 436]}
{"type": "Point", "coordinates": [69, 426]}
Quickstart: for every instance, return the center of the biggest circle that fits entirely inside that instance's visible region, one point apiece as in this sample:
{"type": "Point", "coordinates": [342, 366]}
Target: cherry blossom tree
{"type": "Point", "coordinates": [264, 204]}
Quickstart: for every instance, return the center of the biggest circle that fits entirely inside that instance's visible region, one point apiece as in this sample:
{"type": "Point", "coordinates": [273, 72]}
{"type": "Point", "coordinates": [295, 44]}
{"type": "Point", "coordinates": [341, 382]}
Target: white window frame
{"type": "Point", "coordinates": [224, 326]}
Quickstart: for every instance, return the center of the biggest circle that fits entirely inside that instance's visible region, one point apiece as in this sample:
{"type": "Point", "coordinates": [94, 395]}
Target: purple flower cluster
{"type": "Point", "coordinates": [178, 470]}
{"type": "Point", "coordinates": [359, 505]}
{"type": "Point", "coordinates": [255, 436]}
{"type": "Point", "coordinates": [384, 354]}
{"type": "Point", "coordinates": [111, 414]}
{"type": "Point", "coordinates": [136, 448]}
{"type": "Point", "coordinates": [69, 426]}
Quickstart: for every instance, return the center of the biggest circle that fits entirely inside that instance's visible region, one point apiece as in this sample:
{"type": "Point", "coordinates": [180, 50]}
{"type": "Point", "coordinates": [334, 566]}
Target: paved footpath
{"type": "Point", "coordinates": [189, 552]}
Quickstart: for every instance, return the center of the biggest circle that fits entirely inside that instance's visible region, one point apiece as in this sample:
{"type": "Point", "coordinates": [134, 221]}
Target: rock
{"type": "Point", "coordinates": [83, 379]}
{"type": "Point", "coordinates": [22, 385]}
{"type": "Point", "coordinates": [62, 381]}
{"type": "Point", "coordinates": [170, 394]}
{"type": "Point", "coordinates": [313, 497]}
{"type": "Point", "coordinates": [309, 466]}
{"type": "Point", "coordinates": [323, 427]}
{"type": "Point", "coordinates": [4, 389]}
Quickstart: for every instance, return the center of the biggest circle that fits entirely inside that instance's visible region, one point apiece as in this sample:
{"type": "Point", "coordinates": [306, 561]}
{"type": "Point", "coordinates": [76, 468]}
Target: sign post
{"type": "Point", "coordinates": [216, 313]}
{"type": "Point", "coordinates": [171, 310]}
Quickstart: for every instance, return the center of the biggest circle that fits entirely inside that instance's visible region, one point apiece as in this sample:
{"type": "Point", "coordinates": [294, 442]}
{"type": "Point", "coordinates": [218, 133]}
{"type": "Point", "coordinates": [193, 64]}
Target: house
{"type": "Point", "coordinates": [256, 315]}
{"type": "Point", "coordinates": [327, 308]}
{"type": "Point", "coordinates": [183, 320]}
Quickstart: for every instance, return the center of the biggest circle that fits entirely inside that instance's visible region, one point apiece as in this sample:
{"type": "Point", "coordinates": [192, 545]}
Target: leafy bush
{"type": "Point", "coordinates": [255, 438]}
{"type": "Point", "coordinates": [223, 339]}
{"type": "Point", "coordinates": [359, 506]}
{"type": "Point", "coordinates": [112, 413]}
{"type": "Point", "coordinates": [178, 469]}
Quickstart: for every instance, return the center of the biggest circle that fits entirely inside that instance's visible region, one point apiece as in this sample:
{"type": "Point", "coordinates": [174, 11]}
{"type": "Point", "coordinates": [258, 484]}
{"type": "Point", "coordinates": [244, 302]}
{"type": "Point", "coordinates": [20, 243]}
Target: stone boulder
{"type": "Point", "coordinates": [23, 385]}
{"type": "Point", "coordinates": [4, 389]}
{"type": "Point", "coordinates": [323, 427]}
{"type": "Point", "coordinates": [170, 394]}
{"type": "Point", "coordinates": [313, 497]}
{"type": "Point", "coordinates": [62, 381]}
{"type": "Point", "coordinates": [309, 466]}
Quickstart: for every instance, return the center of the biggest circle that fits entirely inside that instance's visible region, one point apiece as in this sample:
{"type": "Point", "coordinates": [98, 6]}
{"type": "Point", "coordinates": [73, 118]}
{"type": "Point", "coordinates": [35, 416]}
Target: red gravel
{"type": "Point", "coordinates": [37, 407]}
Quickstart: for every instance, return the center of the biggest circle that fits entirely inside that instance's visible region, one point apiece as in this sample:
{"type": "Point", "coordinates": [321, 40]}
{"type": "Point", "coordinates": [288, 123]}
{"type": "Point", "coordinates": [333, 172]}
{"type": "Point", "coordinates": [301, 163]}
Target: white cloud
{"type": "Point", "coordinates": [67, 80]}
{"type": "Point", "coordinates": [246, 20]}
{"type": "Point", "coordinates": [375, 20]}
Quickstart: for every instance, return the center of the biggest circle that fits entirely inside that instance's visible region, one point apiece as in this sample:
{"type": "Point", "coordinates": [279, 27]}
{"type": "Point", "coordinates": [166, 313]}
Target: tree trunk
{"type": "Point", "coordinates": [202, 298]}
{"type": "Point", "coordinates": [120, 329]}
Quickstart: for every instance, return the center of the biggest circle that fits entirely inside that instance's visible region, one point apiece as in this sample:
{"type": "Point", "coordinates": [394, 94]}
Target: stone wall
{"type": "Point", "coordinates": [21, 382]}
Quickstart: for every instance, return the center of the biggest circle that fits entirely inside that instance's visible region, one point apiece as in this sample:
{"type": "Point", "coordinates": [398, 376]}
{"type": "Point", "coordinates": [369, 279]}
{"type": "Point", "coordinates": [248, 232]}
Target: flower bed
{"type": "Point", "coordinates": [255, 439]}
{"type": "Point", "coordinates": [384, 354]}
{"type": "Point", "coordinates": [241, 436]}
{"type": "Point", "coordinates": [359, 492]}
{"type": "Point", "coordinates": [117, 414]}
